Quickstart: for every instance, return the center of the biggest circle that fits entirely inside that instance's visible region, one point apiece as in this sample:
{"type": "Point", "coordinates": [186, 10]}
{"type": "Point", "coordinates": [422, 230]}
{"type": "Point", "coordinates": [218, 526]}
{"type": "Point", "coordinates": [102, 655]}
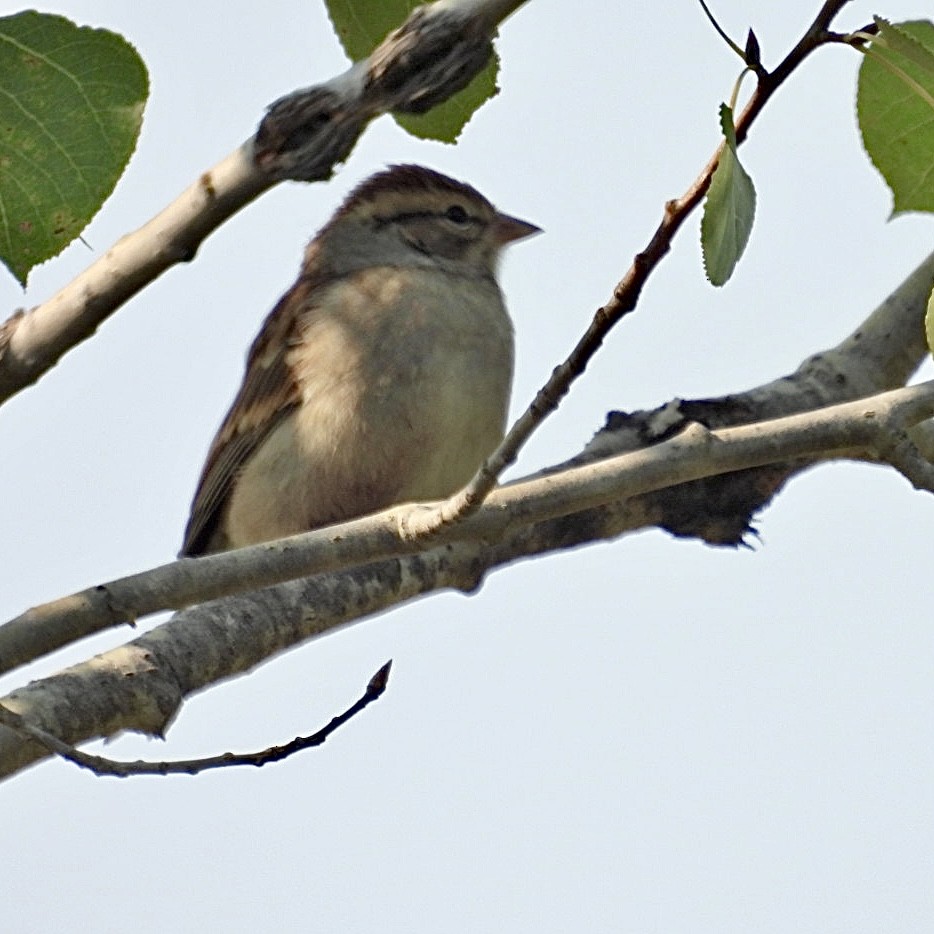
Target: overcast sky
{"type": "Point", "coordinates": [642, 736]}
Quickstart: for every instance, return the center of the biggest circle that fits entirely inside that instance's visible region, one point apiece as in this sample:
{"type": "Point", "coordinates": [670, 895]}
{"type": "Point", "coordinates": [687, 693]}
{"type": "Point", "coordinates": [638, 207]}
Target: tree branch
{"type": "Point", "coordinates": [141, 685]}
{"type": "Point", "coordinates": [624, 299]}
{"type": "Point", "coordinates": [880, 354]}
{"type": "Point", "coordinates": [439, 48]}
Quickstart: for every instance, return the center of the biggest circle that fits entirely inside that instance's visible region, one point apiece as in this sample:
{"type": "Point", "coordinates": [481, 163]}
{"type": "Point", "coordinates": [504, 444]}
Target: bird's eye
{"type": "Point", "coordinates": [456, 213]}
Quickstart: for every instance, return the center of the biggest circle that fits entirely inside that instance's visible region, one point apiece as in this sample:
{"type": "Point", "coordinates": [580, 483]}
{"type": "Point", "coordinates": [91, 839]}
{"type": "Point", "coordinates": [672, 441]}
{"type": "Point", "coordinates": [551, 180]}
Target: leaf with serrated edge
{"type": "Point", "coordinates": [729, 209]}
{"type": "Point", "coordinates": [897, 40]}
{"type": "Point", "coordinates": [895, 108]}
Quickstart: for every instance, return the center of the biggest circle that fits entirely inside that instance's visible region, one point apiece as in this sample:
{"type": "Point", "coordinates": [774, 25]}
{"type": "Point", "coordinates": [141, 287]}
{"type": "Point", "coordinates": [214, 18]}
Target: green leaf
{"type": "Point", "coordinates": [362, 24]}
{"type": "Point", "coordinates": [446, 121]}
{"type": "Point", "coordinates": [895, 107]}
{"type": "Point", "coordinates": [904, 44]}
{"type": "Point", "coordinates": [929, 323]}
{"type": "Point", "coordinates": [729, 209]}
{"type": "Point", "coordinates": [71, 105]}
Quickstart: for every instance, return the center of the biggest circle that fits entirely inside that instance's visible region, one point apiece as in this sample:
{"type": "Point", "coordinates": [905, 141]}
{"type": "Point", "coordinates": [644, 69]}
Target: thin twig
{"type": "Point", "coordinates": [624, 300]}
{"type": "Point", "coordinates": [101, 766]}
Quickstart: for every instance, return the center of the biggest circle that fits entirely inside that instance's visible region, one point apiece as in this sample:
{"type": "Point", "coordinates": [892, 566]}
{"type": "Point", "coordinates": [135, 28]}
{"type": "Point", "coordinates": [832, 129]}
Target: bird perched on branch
{"type": "Point", "coordinates": [382, 376]}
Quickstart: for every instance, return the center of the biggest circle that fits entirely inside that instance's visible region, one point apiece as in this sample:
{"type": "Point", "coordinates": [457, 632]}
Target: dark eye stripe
{"type": "Point", "coordinates": [460, 216]}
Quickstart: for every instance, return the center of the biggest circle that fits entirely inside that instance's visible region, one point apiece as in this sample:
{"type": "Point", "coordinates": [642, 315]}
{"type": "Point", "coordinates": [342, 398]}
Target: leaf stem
{"type": "Point", "coordinates": [721, 32]}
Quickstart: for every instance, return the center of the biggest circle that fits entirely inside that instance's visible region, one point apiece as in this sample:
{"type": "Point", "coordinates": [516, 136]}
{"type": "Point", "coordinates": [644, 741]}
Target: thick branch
{"type": "Point", "coordinates": [141, 685]}
{"type": "Point", "coordinates": [33, 342]}
{"type": "Point", "coordinates": [883, 351]}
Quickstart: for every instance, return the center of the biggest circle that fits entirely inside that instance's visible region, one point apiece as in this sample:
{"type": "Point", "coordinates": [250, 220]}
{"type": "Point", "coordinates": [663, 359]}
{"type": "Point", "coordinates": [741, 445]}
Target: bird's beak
{"type": "Point", "coordinates": [506, 229]}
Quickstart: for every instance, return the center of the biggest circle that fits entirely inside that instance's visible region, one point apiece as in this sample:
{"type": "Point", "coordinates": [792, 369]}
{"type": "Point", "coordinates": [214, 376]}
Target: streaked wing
{"type": "Point", "coordinates": [268, 394]}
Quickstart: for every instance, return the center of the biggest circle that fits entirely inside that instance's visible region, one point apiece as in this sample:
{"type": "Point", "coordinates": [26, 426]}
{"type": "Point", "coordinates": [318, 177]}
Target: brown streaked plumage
{"type": "Point", "coordinates": [381, 376]}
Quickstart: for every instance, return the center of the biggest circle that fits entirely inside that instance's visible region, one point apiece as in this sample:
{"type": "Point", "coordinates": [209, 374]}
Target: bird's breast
{"type": "Point", "coordinates": [405, 377]}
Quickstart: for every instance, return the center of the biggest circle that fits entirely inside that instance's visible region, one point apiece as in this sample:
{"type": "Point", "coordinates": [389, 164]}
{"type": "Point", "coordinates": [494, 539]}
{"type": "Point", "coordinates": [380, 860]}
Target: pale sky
{"type": "Point", "coordinates": [643, 736]}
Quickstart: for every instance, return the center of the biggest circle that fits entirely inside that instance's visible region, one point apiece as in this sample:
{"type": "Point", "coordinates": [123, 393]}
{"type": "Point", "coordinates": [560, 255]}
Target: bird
{"type": "Point", "coordinates": [382, 376]}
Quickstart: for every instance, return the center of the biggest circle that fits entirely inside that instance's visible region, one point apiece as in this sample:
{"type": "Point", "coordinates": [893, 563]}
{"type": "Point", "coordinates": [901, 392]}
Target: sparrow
{"type": "Point", "coordinates": [382, 376]}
